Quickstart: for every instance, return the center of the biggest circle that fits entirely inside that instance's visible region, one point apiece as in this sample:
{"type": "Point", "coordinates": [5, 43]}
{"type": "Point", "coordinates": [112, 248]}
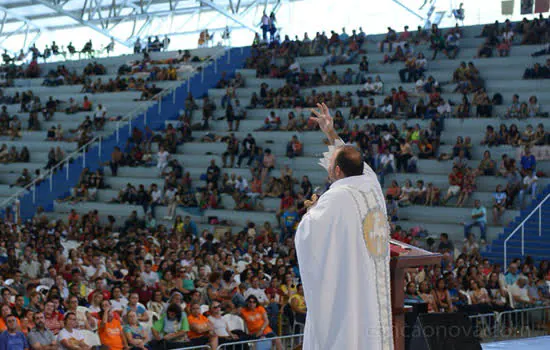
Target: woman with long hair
{"type": "Point", "coordinates": [442, 296]}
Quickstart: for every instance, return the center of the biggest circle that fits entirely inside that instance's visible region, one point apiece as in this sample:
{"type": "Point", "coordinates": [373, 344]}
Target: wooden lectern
{"type": "Point", "coordinates": [404, 256]}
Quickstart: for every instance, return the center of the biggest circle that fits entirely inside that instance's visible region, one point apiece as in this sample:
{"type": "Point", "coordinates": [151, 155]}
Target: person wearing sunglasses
{"type": "Point", "coordinates": [257, 322]}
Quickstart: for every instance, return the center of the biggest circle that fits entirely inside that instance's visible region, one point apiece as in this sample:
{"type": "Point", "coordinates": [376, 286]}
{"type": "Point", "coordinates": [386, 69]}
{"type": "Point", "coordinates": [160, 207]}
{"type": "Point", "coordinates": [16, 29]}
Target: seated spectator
{"type": "Point", "coordinates": [294, 148]}
{"type": "Point", "coordinates": [201, 330]}
{"type": "Point", "coordinates": [110, 328]}
{"type": "Point", "coordinates": [171, 330]}
{"type": "Point", "coordinates": [257, 321]}
{"type": "Point", "coordinates": [432, 195]}
{"type": "Point", "coordinates": [427, 296]}
{"type": "Point", "coordinates": [40, 337]}
{"type": "Point", "coordinates": [485, 50]}
{"type": "Point", "coordinates": [513, 110]}
{"type": "Point", "coordinates": [499, 206]}
{"type": "Point", "coordinates": [455, 183]}
{"type": "Point", "coordinates": [528, 162]}
{"type": "Point", "coordinates": [272, 122]}
{"type": "Point", "coordinates": [222, 327]}
{"type": "Point", "coordinates": [487, 165]}
{"type": "Point", "coordinates": [390, 38]}
{"type": "Point", "coordinates": [71, 337]}
{"type": "Point", "coordinates": [468, 186]}
{"type": "Point", "coordinates": [529, 187]}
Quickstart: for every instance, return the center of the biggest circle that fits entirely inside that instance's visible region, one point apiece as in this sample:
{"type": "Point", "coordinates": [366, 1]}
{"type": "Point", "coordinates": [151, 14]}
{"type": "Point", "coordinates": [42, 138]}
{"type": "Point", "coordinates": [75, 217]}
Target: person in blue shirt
{"type": "Point", "coordinates": [290, 219]}
{"type": "Point", "coordinates": [189, 226]}
{"type": "Point", "coordinates": [479, 218]}
{"type": "Point", "coordinates": [12, 338]}
{"type": "Point", "coordinates": [528, 161]}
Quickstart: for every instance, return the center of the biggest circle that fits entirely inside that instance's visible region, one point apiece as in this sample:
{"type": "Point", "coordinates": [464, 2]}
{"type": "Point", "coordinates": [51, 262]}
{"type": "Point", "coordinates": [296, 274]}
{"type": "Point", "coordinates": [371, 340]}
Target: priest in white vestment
{"type": "Point", "coordinates": [342, 245]}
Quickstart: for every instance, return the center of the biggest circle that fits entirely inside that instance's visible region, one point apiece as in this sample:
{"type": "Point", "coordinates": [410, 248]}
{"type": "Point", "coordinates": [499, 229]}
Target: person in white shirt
{"type": "Point", "coordinates": [378, 85]}
{"type": "Point", "coordinates": [256, 291]}
{"type": "Point", "coordinates": [97, 269]}
{"type": "Point", "coordinates": [162, 158]}
{"type": "Point", "coordinates": [149, 277]}
{"type": "Point", "coordinates": [369, 87]}
{"type": "Point", "coordinates": [241, 184]}
{"type": "Point", "coordinates": [520, 293]}
{"type": "Point", "coordinates": [155, 199]}
{"type": "Point", "coordinates": [118, 301]}
{"type": "Point", "coordinates": [385, 165]}
{"type": "Point", "coordinates": [70, 337]}
{"type": "Point", "coordinates": [529, 186]}
{"type": "Point", "coordinates": [444, 109]}
{"type": "Point", "coordinates": [221, 325]}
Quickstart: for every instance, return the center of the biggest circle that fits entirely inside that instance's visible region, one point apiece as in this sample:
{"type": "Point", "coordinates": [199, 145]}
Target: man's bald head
{"type": "Point", "coordinates": [347, 162]}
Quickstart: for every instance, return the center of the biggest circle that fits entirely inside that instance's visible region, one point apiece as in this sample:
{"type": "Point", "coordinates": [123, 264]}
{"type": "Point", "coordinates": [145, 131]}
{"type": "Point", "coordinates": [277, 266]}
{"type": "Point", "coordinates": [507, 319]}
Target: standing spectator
{"type": "Point", "coordinates": [232, 150]}
{"type": "Point", "coordinates": [479, 218]}
{"type": "Point", "coordinates": [513, 183]}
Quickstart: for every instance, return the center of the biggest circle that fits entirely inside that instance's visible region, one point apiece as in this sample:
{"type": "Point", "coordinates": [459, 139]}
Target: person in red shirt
{"type": "Point", "coordinates": [86, 105]}
{"type": "Point", "coordinates": [455, 184]}
{"type": "Point", "coordinates": [53, 320]}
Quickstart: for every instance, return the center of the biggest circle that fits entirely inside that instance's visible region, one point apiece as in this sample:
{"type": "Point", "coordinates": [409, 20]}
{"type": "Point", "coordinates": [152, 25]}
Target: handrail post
{"type": "Point", "coordinates": [145, 117]}
{"type": "Point", "coordinates": [522, 240]}
{"type": "Point", "coordinates": [117, 131]}
{"type": "Point", "coordinates": [130, 127]}
{"type": "Point", "coordinates": [51, 181]}
{"type": "Point", "coordinates": [216, 66]}
{"type": "Point", "coordinates": [84, 158]}
{"type": "Point", "coordinates": [34, 193]}
{"type": "Point", "coordinates": [202, 75]}
{"type": "Point", "coordinates": [67, 170]}
{"type": "Point", "coordinates": [174, 96]}
{"type": "Point", "coordinates": [540, 221]}
{"type": "Point", "coordinates": [99, 148]}
{"type": "Point", "coordinates": [188, 84]}
{"type": "Point", "coordinates": [159, 103]}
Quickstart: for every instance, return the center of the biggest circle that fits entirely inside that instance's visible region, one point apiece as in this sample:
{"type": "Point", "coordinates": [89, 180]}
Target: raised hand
{"type": "Point", "coordinates": [325, 122]}
{"type": "Point", "coordinates": [323, 118]}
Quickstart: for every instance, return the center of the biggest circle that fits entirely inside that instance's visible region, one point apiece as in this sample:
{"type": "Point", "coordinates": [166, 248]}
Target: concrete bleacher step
{"type": "Point", "coordinates": [487, 183]}
{"type": "Point", "coordinates": [455, 231]}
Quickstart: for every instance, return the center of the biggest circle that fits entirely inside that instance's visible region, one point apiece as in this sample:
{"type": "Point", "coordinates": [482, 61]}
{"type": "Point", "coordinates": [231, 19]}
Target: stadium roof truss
{"type": "Point", "coordinates": [32, 18]}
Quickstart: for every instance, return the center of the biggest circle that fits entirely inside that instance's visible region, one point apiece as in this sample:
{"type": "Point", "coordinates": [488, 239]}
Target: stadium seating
{"type": "Point", "coordinates": [502, 75]}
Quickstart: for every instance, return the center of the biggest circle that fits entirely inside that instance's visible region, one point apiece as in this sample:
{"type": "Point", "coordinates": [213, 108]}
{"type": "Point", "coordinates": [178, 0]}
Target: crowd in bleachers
{"type": "Point", "coordinates": [160, 279]}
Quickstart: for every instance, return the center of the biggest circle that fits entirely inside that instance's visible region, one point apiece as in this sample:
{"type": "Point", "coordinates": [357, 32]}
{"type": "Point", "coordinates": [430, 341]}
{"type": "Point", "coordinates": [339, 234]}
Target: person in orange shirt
{"type": "Point", "coordinates": [257, 322]}
{"type": "Point", "coordinates": [201, 331]}
{"type": "Point", "coordinates": [110, 329]}
{"type": "Point", "coordinates": [5, 311]}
